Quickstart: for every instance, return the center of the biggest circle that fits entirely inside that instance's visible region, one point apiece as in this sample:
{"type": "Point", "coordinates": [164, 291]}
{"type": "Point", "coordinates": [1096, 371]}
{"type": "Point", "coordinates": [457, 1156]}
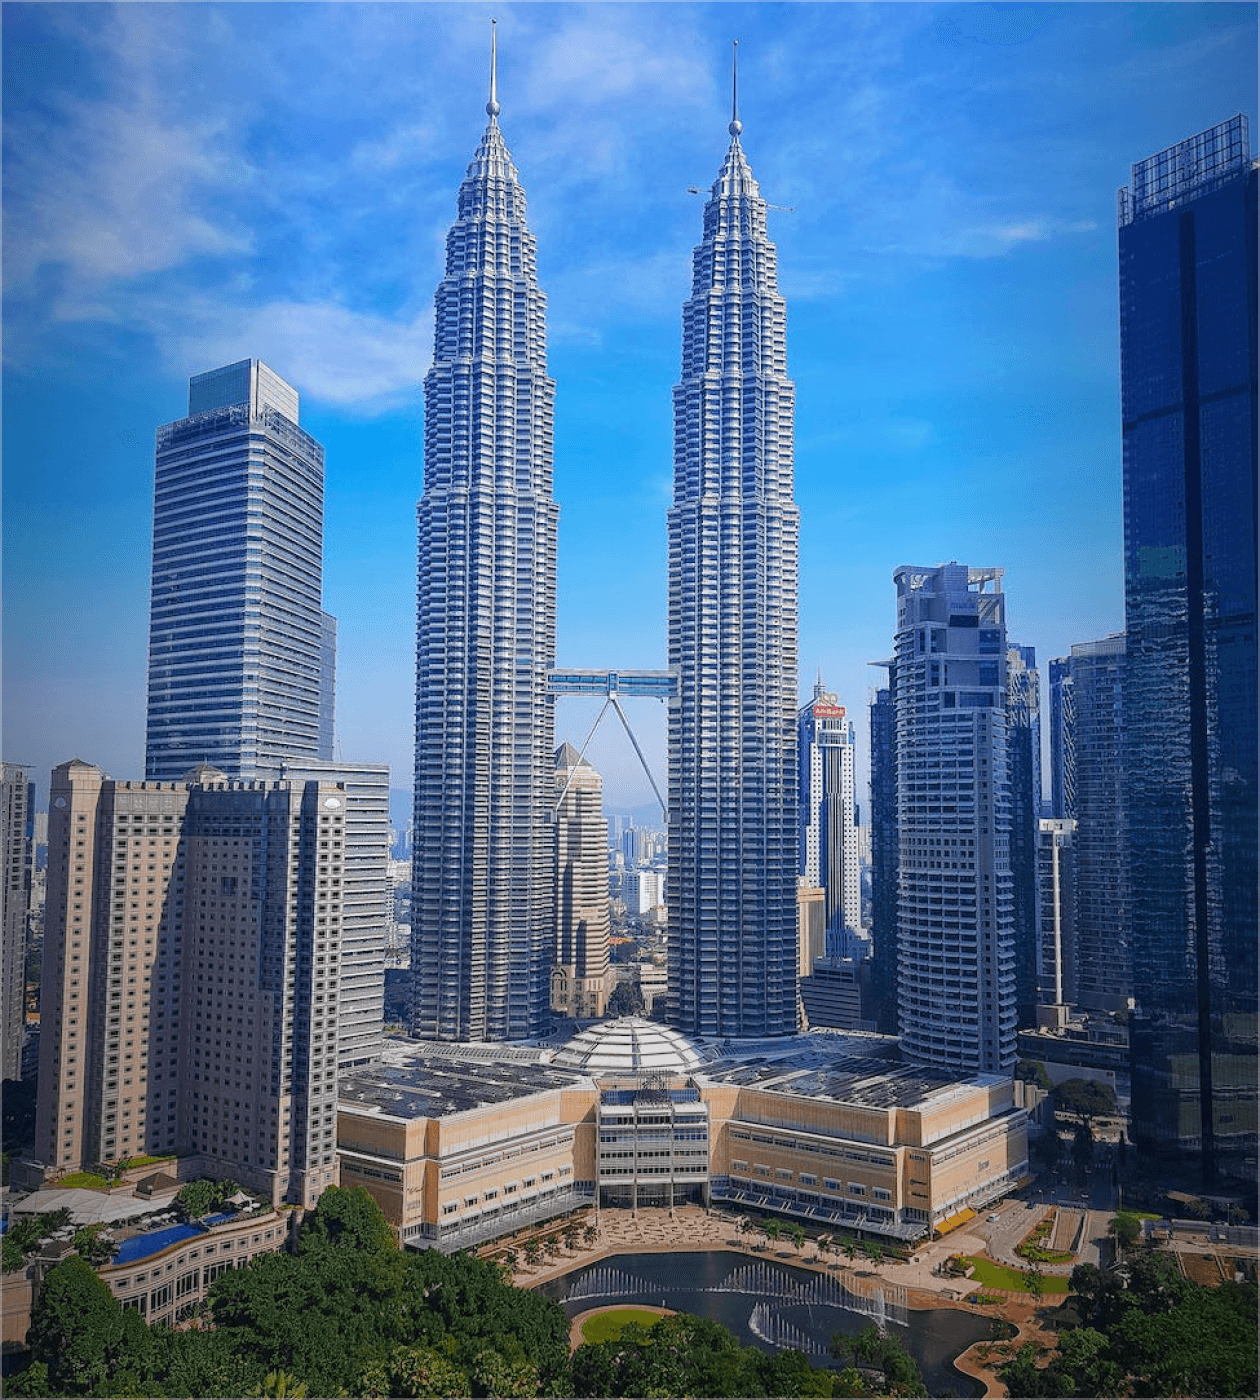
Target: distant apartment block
{"type": "Point", "coordinates": [16, 813]}
{"type": "Point", "coordinates": [580, 984]}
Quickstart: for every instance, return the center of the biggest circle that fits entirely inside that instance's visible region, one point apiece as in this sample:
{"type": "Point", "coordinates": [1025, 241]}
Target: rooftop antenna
{"type": "Point", "coordinates": [736, 125]}
{"type": "Point", "coordinates": [492, 107]}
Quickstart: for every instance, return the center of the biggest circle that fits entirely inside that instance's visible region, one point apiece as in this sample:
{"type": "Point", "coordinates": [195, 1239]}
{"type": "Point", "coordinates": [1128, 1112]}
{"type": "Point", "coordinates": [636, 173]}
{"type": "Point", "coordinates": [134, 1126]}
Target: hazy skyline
{"type": "Point", "coordinates": [189, 185]}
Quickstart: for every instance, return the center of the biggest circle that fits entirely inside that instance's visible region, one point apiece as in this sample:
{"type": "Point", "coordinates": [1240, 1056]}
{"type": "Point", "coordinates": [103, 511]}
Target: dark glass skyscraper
{"type": "Point", "coordinates": [731, 884]}
{"type": "Point", "coordinates": [1023, 746]}
{"type": "Point", "coordinates": [1087, 706]}
{"type": "Point", "coordinates": [482, 881]}
{"type": "Point", "coordinates": [885, 855]}
{"type": "Point", "coordinates": [1187, 245]}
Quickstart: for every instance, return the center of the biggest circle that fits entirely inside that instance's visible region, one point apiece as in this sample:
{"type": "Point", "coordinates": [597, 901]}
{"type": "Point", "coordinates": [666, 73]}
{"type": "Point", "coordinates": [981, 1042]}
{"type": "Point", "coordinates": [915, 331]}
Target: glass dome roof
{"type": "Point", "coordinates": [629, 1045]}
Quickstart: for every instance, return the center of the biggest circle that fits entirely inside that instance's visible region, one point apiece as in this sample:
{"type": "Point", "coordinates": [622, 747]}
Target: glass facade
{"type": "Point", "coordinates": [828, 835]}
{"type": "Point", "coordinates": [885, 855]}
{"type": "Point", "coordinates": [1187, 248]}
{"type": "Point", "coordinates": [1023, 711]}
{"type": "Point", "coordinates": [236, 629]}
{"type": "Point", "coordinates": [733, 531]}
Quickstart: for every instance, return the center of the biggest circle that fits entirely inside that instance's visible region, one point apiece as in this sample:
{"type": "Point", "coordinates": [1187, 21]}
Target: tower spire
{"type": "Point", "coordinates": [492, 107]}
{"type": "Point", "coordinates": [736, 125]}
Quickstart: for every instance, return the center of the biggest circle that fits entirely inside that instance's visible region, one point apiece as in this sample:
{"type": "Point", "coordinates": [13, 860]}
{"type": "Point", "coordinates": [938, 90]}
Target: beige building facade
{"type": "Point", "coordinates": [462, 1144]}
{"type": "Point", "coordinates": [189, 1001]}
{"type": "Point", "coordinates": [580, 982]}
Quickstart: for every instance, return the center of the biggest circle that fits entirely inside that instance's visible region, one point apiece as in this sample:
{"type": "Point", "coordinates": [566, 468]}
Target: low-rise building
{"type": "Point", "coordinates": [462, 1143]}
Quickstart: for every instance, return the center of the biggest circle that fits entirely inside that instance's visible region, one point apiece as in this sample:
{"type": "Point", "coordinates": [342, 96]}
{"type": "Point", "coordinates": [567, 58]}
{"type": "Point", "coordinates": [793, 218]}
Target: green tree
{"type": "Point", "coordinates": [1126, 1228]}
{"type": "Point", "coordinates": [347, 1218]}
{"type": "Point", "coordinates": [1033, 1072]}
{"type": "Point", "coordinates": [92, 1246]}
{"type": "Point", "coordinates": [82, 1335]}
{"type": "Point", "coordinates": [414, 1371]}
{"type": "Point", "coordinates": [1086, 1098]}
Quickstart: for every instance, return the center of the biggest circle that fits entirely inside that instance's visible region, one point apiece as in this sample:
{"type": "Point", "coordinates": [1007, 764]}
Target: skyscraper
{"type": "Point", "coordinates": [731, 884]}
{"type": "Point", "coordinates": [1023, 741]}
{"type": "Point", "coordinates": [190, 978]}
{"type": "Point", "coordinates": [236, 631]}
{"type": "Point", "coordinates": [16, 803]}
{"type": "Point", "coordinates": [580, 977]}
{"type": "Point", "coordinates": [242, 658]}
{"type": "Point", "coordinates": [1056, 911]}
{"type": "Point", "coordinates": [1187, 249]}
{"type": "Point", "coordinates": [956, 969]}
{"type": "Point", "coordinates": [885, 855]}
{"type": "Point", "coordinates": [828, 836]}
{"type": "Point", "coordinates": [482, 928]}
{"type": "Point", "coordinates": [1089, 710]}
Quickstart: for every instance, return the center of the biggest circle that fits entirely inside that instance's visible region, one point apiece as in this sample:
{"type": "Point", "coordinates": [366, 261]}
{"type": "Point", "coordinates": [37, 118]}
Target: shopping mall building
{"type": "Point", "coordinates": [462, 1143]}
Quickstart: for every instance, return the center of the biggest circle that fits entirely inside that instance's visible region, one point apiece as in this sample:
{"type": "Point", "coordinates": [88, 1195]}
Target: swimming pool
{"type": "Point", "coordinates": [141, 1246]}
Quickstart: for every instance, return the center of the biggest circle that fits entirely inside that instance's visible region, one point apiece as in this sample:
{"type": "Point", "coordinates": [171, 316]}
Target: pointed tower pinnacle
{"type": "Point", "coordinates": [736, 125]}
{"type": "Point", "coordinates": [492, 107]}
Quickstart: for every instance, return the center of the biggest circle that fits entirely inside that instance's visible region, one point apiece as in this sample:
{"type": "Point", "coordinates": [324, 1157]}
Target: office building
{"type": "Point", "coordinates": [956, 955]}
{"type": "Point", "coordinates": [17, 800]}
{"type": "Point", "coordinates": [238, 676]}
{"type": "Point", "coordinates": [1023, 744]}
{"type": "Point", "coordinates": [191, 976]}
{"type": "Point", "coordinates": [1056, 911]}
{"type": "Point", "coordinates": [242, 658]}
{"type": "Point", "coordinates": [1088, 712]}
{"type": "Point", "coordinates": [580, 984]}
{"type": "Point", "coordinates": [1187, 252]}
{"type": "Point", "coordinates": [828, 834]}
{"type": "Point", "coordinates": [733, 527]}
{"type": "Point", "coordinates": [885, 856]}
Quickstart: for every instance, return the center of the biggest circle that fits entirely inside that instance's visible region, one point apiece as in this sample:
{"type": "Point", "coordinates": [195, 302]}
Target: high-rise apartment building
{"type": "Point", "coordinates": [828, 834]}
{"type": "Point", "coordinates": [242, 658]}
{"type": "Point", "coordinates": [579, 982]}
{"type": "Point", "coordinates": [1023, 743]}
{"type": "Point", "coordinates": [482, 927]}
{"type": "Point", "coordinates": [956, 955]}
{"type": "Point", "coordinates": [16, 812]}
{"type": "Point", "coordinates": [733, 528]}
{"type": "Point", "coordinates": [368, 899]}
{"type": "Point", "coordinates": [885, 855]}
{"type": "Point", "coordinates": [237, 675]}
{"type": "Point", "coordinates": [1087, 710]}
{"type": "Point", "coordinates": [1056, 911]}
{"type": "Point", "coordinates": [1187, 250]}
{"type": "Point", "coordinates": [191, 976]}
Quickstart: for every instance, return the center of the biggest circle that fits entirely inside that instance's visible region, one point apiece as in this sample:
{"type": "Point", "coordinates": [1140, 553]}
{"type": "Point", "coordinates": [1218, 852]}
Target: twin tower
{"type": "Point", "coordinates": [482, 915]}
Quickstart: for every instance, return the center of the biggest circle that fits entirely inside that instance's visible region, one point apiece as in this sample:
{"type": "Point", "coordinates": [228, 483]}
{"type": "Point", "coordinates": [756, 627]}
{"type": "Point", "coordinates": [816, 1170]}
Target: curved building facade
{"type": "Point", "coordinates": [733, 530]}
{"type": "Point", "coordinates": [486, 625]}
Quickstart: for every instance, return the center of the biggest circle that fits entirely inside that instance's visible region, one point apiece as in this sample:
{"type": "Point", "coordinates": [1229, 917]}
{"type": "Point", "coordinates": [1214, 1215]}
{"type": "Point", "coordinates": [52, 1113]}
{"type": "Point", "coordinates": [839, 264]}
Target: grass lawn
{"type": "Point", "coordinates": [606, 1325]}
{"type": "Point", "coordinates": [999, 1276]}
{"type": "Point", "coordinates": [88, 1180]}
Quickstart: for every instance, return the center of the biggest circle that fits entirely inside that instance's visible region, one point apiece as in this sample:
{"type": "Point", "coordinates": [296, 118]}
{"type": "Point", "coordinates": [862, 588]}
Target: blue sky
{"type": "Point", "coordinates": [186, 185]}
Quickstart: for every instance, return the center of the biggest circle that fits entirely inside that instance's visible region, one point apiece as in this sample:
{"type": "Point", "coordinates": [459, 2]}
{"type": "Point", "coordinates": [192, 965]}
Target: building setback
{"type": "Point", "coordinates": [1187, 252]}
{"type": "Point", "coordinates": [191, 975]}
{"type": "Point", "coordinates": [956, 955]}
{"type": "Point", "coordinates": [237, 676]}
{"type": "Point", "coordinates": [486, 627]}
{"type": "Point", "coordinates": [733, 527]}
